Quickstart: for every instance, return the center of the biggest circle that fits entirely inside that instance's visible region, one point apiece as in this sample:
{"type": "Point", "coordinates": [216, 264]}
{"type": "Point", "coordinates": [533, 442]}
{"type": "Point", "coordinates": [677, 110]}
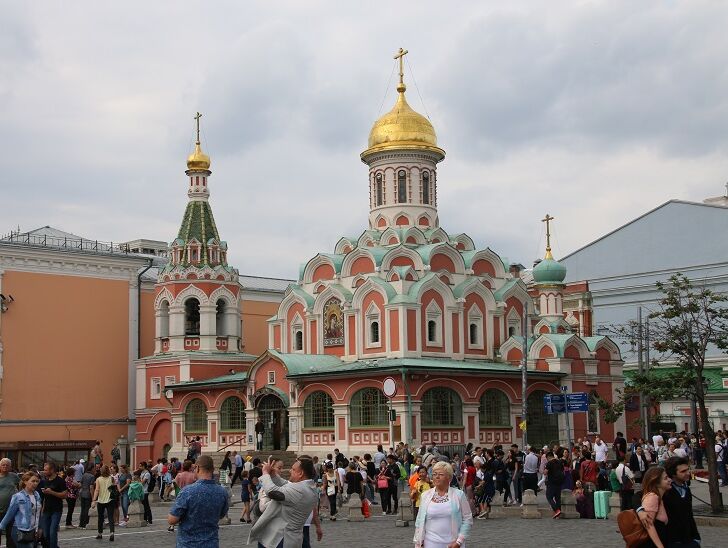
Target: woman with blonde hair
{"type": "Point", "coordinates": [103, 496]}
{"type": "Point", "coordinates": [444, 518]}
{"type": "Point", "coordinates": [24, 512]}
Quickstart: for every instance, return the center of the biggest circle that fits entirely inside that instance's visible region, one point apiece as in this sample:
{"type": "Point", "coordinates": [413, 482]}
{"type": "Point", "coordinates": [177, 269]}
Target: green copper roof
{"type": "Point", "coordinates": [549, 271]}
{"type": "Point", "coordinates": [505, 288]}
{"type": "Point", "coordinates": [198, 223]}
{"type": "Point", "coordinates": [293, 288]}
{"type": "Point", "coordinates": [235, 378]}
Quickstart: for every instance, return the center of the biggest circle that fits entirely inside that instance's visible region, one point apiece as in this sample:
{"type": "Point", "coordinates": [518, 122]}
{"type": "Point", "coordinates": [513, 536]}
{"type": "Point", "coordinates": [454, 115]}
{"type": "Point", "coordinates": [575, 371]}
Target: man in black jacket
{"type": "Point", "coordinates": [682, 530]}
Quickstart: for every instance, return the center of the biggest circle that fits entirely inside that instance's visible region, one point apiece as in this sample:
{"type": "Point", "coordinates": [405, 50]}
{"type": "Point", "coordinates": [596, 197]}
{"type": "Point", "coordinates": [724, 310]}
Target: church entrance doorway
{"type": "Point", "coordinates": [274, 416]}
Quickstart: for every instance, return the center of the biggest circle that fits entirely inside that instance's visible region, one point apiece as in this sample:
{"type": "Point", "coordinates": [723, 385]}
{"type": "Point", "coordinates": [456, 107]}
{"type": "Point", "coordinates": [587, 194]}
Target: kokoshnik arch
{"type": "Point", "coordinates": [403, 299]}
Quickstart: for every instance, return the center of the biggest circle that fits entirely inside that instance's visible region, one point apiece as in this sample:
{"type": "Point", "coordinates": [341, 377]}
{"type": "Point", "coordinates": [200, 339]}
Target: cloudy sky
{"type": "Point", "coordinates": [592, 111]}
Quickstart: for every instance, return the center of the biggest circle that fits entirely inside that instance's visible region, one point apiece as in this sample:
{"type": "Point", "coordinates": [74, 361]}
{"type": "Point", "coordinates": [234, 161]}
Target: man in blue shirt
{"type": "Point", "coordinates": [198, 508]}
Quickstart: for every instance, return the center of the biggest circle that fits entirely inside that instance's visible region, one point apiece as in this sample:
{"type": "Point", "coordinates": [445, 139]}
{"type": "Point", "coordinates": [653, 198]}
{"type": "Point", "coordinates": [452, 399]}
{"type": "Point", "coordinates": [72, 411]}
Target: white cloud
{"type": "Point", "coordinates": [594, 112]}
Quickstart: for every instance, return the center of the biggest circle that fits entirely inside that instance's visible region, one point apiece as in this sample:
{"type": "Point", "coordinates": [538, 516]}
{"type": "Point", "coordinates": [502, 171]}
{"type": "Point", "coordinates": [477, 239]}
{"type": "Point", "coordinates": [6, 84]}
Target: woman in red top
{"type": "Point", "coordinates": [468, 481]}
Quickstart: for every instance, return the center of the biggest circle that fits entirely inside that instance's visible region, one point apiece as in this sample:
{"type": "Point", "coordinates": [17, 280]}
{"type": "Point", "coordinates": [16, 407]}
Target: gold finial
{"type": "Point", "coordinates": [197, 122]}
{"type": "Point", "coordinates": [548, 220]}
{"type": "Point", "coordinates": [400, 55]}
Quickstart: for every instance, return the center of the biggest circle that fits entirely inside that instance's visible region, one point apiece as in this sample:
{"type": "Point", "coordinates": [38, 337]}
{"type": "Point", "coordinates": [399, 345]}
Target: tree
{"type": "Point", "coordinates": [689, 322]}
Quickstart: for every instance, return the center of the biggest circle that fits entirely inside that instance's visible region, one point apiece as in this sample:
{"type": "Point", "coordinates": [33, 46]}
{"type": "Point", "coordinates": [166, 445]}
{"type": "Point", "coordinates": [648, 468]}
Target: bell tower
{"type": "Point", "coordinates": [197, 292]}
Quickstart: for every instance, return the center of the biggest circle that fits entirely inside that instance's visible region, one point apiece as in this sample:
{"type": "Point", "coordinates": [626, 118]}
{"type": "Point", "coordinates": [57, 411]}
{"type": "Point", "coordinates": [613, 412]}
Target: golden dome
{"type": "Point", "coordinates": [402, 128]}
{"type": "Point", "coordinates": [198, 160]}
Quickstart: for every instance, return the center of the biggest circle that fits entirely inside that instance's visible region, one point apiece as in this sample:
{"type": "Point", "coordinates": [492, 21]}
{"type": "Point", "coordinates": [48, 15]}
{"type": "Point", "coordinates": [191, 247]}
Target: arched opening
{"type": "Point", "coordinates": [298, 342]}
{"type": "Point", "coordinates": [432, 331]}
{"type": "Point", "coordinates": [163, 319]}
{"type": "Point", "coordinates": [232, 415]}
{"type": "Point", "coordinates": [274, 418]}
{"type": "Point", "coordinates": [318, 411]}
{"type": "Point", "coordinates": [192, 316]}
{"type": "Point", "coordinates": [379, 189]}
{"type": "Point", "coordinates": [495, 409]}
{"type": "Point", "coordinates": [474, 333]}
{"type": "Point", "coordinates": [368, 407]}
{"type": "Point", "coordinates": [220, 327]}
{"type": "Point", "coordinates": [374, 332]}
{"type": "Point", "coordinates": [425, 187]}
{"type": "Point", "coordinates": [401, 186]}
{"type": "Point", "coordinates": [441, 407]}
{"type": "Point", "coordinates": [543, 429]}
{"type": "Point", "coordinates": [196, 417]}
{"type": "Point", "coordinates": [511, 331]}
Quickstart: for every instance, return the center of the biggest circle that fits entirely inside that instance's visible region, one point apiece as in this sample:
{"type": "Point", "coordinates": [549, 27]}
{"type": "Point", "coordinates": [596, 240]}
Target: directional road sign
{"type": "Point", "coordinates": [554, 403]}
{"type": "Point", "coordinates": [577, 402]}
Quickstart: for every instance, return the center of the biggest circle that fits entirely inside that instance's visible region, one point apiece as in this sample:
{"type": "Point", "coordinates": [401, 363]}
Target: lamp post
{"type": "Point", "coordinates": [524, 379]}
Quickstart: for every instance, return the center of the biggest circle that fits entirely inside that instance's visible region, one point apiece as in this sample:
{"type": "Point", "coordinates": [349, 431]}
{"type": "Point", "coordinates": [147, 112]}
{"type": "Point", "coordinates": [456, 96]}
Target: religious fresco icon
{"type": "Point", "coordinates": [333, 323]}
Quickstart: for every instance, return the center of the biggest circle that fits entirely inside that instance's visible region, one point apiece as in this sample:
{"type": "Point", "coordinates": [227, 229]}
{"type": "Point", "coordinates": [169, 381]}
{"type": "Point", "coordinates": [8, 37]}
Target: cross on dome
{"type": "Point", "coordinates": [400, 55]}
{"type": "Point", "coordinates": [548, 220]}
{"type": "Point", "coordinates": [198, 160]}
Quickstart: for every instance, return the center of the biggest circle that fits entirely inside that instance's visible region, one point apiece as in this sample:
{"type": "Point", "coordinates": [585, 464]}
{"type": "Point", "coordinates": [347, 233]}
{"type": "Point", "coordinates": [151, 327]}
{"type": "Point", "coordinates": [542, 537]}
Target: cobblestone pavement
{"type": "Point", "coordinates": [380, 532]}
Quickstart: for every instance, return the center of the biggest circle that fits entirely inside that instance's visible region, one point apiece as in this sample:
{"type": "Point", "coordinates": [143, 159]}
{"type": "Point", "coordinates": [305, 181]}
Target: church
{"type": "Point", "coordinates": [404, 332]}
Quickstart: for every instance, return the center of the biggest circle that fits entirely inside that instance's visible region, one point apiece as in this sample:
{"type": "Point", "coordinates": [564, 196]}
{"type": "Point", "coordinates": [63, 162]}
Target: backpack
{"type": "Point", "coordinates": [402, 471]}
{"type": "Point", "coordinates": [627, 483]}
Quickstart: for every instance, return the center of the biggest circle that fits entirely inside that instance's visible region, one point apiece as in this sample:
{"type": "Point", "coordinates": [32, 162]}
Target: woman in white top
{"type": "Point", "coordinates": [102, 496]}
{"type": "Point", "coordinates": [444, 518]}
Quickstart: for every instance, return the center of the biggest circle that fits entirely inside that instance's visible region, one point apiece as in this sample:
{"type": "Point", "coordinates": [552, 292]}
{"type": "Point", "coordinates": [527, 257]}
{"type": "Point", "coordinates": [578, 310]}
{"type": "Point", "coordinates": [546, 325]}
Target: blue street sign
{"type": "Point", "coordinates": [554, 403]}
{"type": "Point", "coordinates": [577, 402]}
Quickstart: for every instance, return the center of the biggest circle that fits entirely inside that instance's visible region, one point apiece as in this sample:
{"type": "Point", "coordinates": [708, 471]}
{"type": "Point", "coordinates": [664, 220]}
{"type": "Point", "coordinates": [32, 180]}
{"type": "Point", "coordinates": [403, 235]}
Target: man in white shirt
{"type": "Point", "coordinates": [600, 449]}
{"type": "Point", "coordinates": [720, 460]}
{"type": "Point", "coordinates": [530, 470]}
{"type": "Point", "coordinates": [625, 476]}
{"type": "Point", "coordinates": [657, 440]}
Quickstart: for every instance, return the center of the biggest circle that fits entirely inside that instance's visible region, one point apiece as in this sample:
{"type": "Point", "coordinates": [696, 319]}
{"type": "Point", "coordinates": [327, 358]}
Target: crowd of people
{"type": "Point", "coordinates": [447, 491]}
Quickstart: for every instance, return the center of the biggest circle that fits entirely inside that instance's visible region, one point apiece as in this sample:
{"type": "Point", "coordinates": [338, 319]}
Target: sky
{"type": "Point", "coordinates": [594, 112]}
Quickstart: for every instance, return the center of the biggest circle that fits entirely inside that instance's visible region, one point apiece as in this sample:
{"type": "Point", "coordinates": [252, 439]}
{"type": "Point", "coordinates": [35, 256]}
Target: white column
{"type": "Point", "coordinates": [176, 328]}
{"type": "Point", "coordinates": [208, 327]}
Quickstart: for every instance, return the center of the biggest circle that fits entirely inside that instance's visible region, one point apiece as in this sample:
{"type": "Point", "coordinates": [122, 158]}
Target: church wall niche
{"type": "Point", "coordinates": [412, 330]}
{"type": "Point", "coordinates": [456, 332]}
{"type": "Point", "coordinates": [362, 265]}
{"type": "Point", "coordinates": [481, 267]}
{"type": "Point", "coordinates": [434, 314]}
{"type": "Point", "coordinates": [376, 298]}
{"type": "Point", "coordinates": [394, 330]}
{"type": "Point", "coordinates": [440, 261]}
{"type": "Point", "coordinates": [314, 337]}
{"type": "Point", "coordinates": [323, 272]}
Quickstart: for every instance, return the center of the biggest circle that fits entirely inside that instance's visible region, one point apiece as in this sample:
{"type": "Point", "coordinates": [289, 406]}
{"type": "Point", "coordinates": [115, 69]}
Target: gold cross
{"type": "Point", "coordinates": [548, 220]}
{"type": "Point", "coordinates": [400, 55]}
{"type": "Point", "coordinates": [197, 121]}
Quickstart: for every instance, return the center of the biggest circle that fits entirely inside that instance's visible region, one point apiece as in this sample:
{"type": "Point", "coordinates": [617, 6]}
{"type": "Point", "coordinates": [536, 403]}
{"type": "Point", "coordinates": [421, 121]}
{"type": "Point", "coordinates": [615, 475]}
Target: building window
{"type": "Point", "coordinates": [431, 331]}
{"type": "Point", "coordinates": [192, 316]}
{"type": "Point", "coordinates": [271, 377]}
{"type": "Point", "coordinates": [379, 190]}
{"type": "Point", "coordinates": [163, 319]}
{"type": "Point", "coordinates": [155, 388]}
{"type": "Point", "coordinates": [426, 187]}
{"type": "Point", "coordinates": [434, 324]}
{"type": "Point", "coordinates": [368, 407]}
{"type": "Point", "coordinates": [220, 307]}
{"type": "Point", "coordinates": [374, 332]}
{"type": "Point", "coordinates": [441, 407]}
{"type": "Point", "coordinates": [196, 417]}
{"type": "Point", "coordinates": [169, 380]}
{"type": "Point", "coordinates": [473, 334]}
{"type": "Point", "coordinates": [402, 186]}
{"type": "Point", "coordinates": [495, 409]}
{"type": "Point", "coordinates": [298, 342]}
{"type": "Point", "coordinates": [593, 413]}
{"type": "Point", "coordinates": [318, 411]}
{"type": "Point", "coordinates": [232, 415]}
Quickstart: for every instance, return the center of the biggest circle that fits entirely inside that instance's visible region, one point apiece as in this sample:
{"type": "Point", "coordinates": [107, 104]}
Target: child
{"type": "Point", "coordinates": [421, 485]}
{"type": "Point", "coordinates": [136, 489]}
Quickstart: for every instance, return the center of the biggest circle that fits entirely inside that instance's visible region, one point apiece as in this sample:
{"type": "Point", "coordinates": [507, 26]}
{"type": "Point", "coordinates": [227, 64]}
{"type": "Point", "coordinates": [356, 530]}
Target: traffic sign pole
{"type": "Point", "coordinates": [568, 422]}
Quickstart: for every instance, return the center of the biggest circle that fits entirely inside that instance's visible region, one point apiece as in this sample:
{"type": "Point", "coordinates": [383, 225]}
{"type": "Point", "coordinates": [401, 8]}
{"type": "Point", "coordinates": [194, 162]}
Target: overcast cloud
{"type": "Point", "coordinates": [592, 111]}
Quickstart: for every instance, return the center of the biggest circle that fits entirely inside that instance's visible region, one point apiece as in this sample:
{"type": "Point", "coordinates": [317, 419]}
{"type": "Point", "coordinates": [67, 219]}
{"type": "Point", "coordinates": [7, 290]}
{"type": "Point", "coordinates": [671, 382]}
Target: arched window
{"type": "Point", "coordinates": [368, 407]}
{"type": "Point", "coordinates": [220, 307]}
{"type": "Point", "coordinates": [495, 409]}
{"type": "Point", "coordinates": [163, 319]}
{"type": "Point", "coordinates": [473, 333]}
{"type": "Point", "coordinates": [374, 332]}
{"type": "Point", "coordinates": [511, 331]}
{"type": "Point", "coordinates": [298, 343]}
{"type": "Point", "coordinates": [232, 415]}
{"type": "Point", "coordinates": [432, 331]}
{"type": "Point", "coordinates": [441, 407]}
{"type": "Point", "coordinates": [402, 186]}
{"type": "Point", "coordinates": [318, 411]}
{"type": "Point", "coordinates": [379, 189]}
{"type": "Point", "coordinates": [543, 429]}
{"type": "Point", "coordinates": [192, 316]}
{"type": "Point", "coordinates": [196, 417]}
{"type": "Point", "coordinates": [426, 187]}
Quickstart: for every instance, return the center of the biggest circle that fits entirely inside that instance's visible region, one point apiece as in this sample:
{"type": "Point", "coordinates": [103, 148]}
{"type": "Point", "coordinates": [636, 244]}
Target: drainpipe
{"type": "Point", "coordinates": [409, 407]}
{"type": "Point", "coordinates": [139, 307]}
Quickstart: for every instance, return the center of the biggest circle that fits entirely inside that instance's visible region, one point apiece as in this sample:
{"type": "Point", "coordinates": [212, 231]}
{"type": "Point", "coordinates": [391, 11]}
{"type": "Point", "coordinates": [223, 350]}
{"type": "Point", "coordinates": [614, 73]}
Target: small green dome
{"type": "Point", "coordinates": [549, 271]}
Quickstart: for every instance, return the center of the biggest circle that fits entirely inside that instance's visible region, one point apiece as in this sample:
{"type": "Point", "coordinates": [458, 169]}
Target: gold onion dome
{"type": "Point", "coordinates": [402, 127]}
{"type": "Point", "coordinates": [198, 159]}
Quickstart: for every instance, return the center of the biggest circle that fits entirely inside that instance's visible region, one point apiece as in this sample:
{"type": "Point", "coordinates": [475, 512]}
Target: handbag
{"type": "Point", "coordinates": [27, 536]}
{"type": "Point", "coordinates": [633, 532]}
{"type": "Point", "coordinates": [627, 483]}
{"type": "Point", "coordinates": [382, 482]}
